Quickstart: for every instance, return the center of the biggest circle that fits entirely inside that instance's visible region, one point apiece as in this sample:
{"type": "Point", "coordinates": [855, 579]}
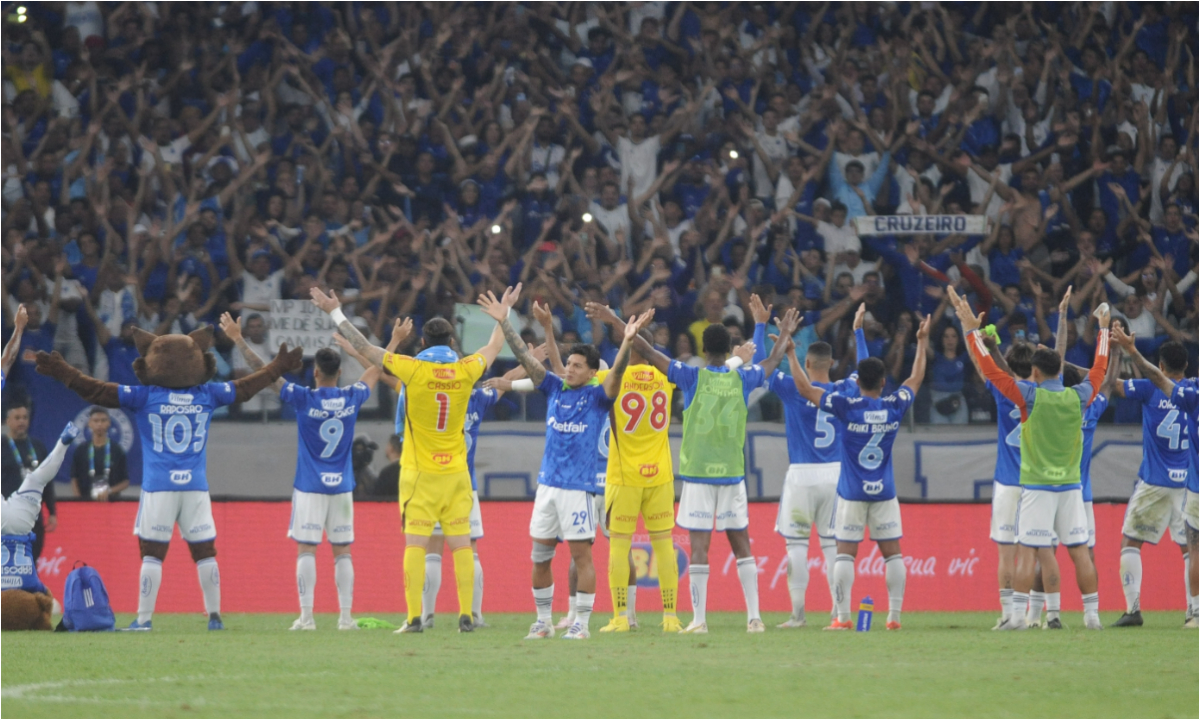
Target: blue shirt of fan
{"type": "Point", "coordinates": [325, 420]}
{"type": "Point", "coordinates": [1091, 416]}
{"type": "Point", "coordinates": [1165, 437]}
{"type": "Point", "coordinates": [482, 399]}
{"type": "Point", "coordinates": [173, 426]}
{"type": "Point", "coordinates": [871, 427]}
{"type": "Point", "coordinates": [687, 378]}
{"type": "Point", "coordinates": [1184, 396]}
{"type": "Point", "coordinates": [19, 569]}
{"type": "Point", "coordinates": [1008, 439]}
{"type": "Point", "coordinates": [574, 424]}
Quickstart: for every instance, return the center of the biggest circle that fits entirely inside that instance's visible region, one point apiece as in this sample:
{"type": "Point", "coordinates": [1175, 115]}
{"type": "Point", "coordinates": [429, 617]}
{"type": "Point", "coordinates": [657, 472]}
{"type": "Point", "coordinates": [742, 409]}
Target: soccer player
{"type": "Point", "coordinates": [1051, 457]}
{"type": "Point", "coordinates": [577, 406]}
{"type": "Point", "coordinates": [814, 456]}
{"type": "Point", "coordinates": [712, 460]}
{"type": "Point", "coordinates": [866, 491]}
{"type": "Point", "coordinates": [435, 485]}
{"type": "Point", "coordinates": [20, 511]}
{"type": "Point", "coordinates": [1182, 394]}
{"type": "Point", "coordinates": [323, 488]}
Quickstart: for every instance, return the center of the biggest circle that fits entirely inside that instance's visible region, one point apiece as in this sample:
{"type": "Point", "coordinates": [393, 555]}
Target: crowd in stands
{"type": "Point", "coordinates": [167, 162]}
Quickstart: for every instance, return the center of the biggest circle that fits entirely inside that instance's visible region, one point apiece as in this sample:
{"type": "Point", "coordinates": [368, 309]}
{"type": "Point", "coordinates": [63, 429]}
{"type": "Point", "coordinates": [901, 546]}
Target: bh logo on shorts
{"type": "Point", "coordinates": [181, 477]}
{"type": "Point", "coordinates": [872, 487]}
{"type": "Point", "coordinates": [331, 479]}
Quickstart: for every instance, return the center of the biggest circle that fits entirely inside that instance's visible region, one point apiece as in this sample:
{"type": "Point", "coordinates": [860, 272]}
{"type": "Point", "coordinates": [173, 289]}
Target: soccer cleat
{"type": "Point", "coordinates": [671, 624]}
{"type": "Point", "coordinates": [136, 626]}
{"type": "Point", "coordinates": [1001, 624]}
{"type": "Point", "coordinates": [478, 621]}
{"type": "Point", "coordinates": [839, 625]}
{"type": "Point", "coordinates": [540, 630]}
{"type": "Point", "coordinates": [633, 623]}
{"type": "Point", "coordinates": [1053, 624]}
{"type": "Point", "coordinates": [892, 625]}
{"type": "Point", "coordinates": [1133, 619]}
{"type": "Point", "coordinates": [347, 624]}
{"type": "Point", "coordinates": [1018, 624]}
{"type": "Point", "coordinates": [1092, 622]}
{"type": "Point", "coordinates": [1032, 624]}
{"type": "Point", "coordinates": [566, 622]}
{"type": "Point", "coordinates": [411, 626]}
{"type": "Point", "coordinates": [792, 622]}
{"type": "Point", "coordinates": [618, 624]}
{"type": "Point", "coordinates": [465, 624]}
{"type": "Point", "coordinates": [302, 624]}
{"type": "Point", "coordinates": [576, 632]}
{"type": "Point", "coordinates": [1192, 623]}
{"type": "Point", "coordinates": [695, 628]}
{"type": "Point", "coordinates": [756, 626]}
{"type": "Point", "coordinates": [427, 622]}
{"type": "Point", "coordinates": [214, 622]}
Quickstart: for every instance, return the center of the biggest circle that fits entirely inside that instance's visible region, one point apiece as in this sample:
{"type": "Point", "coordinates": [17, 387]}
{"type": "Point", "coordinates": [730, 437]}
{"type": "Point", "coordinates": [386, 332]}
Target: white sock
{"type": "Point", "coordinates": [698, 577]}
{"type": "Point", "coordinates": [1037, 600]}
{"type": "Point", "coordinates": [1187, 585]}
{"type": "Point", "coordinates": [306, 583]}
{"type": "Point", "coordinates": [571, 605]}
{"type": "Point", "coordinates": [829, 552]}
{"type": "Point", "coordinates": [1053, 605]}
{"type": "Point", "coordinates": [843, 578]}
{"type": "Point", "coordinates": [343, 576]}
{"type": "Point", "coordinates": [477, 597]}
{"type": "Point", "coordinates": [151, 579]}
{"type": "Point", "coordinates": [895, 574]}
{"type": "Point", "coordinates": [747, 570]}
{"type": "Point", "coordinates": [1091, 604]}
{"type": "Point", "coordinates": [1020, 604]}
{"type": "Point", "coordinates": [797, 553]}
{"type": "Point", "coordinates": [1131, 578]}
{"type": "Point", "coordinates": [210, 584]}
{"type": "Point", "coordinates": [631, 603]}
{"type": "Point", "coordinates": [543, 598]}
{"type": "Point", "coordinates": [1006, 603]}
{"type": "Point", "coordinates": [583, 608]}
{"type": "Point", "coordinates": [433, 583]}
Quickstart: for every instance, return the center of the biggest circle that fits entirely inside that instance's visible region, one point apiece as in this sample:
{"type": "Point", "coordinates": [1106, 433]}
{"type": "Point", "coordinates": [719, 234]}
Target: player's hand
{"type": "Point", "coordinates": [21, 318]}
{"type": "Point", "coordinates": [761, 313]}
{"type": "Point", "coordinates": [1104, 314]}
{"type": "Point", "coordinates": [789, 323]}
{"type": "Point", "coordinates": [496, 309]}
{"type": "Point", "coordinates": [923, 329]}
{"type": "Point", "coordinates": [51, 523]}
{"type": "Point", "coordinates": [539, 353]}
{"type": "Point", "coordinates": [963, 309]}
{"type": "Point", "coordinates": [1123, 340]}
{"type": "Point", "coordinates": [637, 322]}
{"type": "Point", "coordinates": [502, 384]}
{"type": "Point", "coordinates": [745, 351]}
{"type": "Point", "coordinates": [401, 330]}
{"type": "Point", "coordinates": [541, 313]}
{"type": "Point", "coordinates": [327, 303]}
{"type": "Point", "coordinates": [858, 316]}
{"type": "Point", "coordinates": [232, 328]}
{"type": "Point", "coordinates": [1066, 301]}
{"type": "Point", "coordinates": [603, 313]}
{"type": "Point", "coordinates": [69, 433]}
{"type": "Point", "coordinates": [344, 344]}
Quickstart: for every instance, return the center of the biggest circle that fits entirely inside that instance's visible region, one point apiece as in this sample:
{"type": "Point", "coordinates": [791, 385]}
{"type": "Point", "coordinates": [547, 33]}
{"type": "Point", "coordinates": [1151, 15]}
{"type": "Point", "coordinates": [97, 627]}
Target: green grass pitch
{"type": "Point", "coordinates": [939, 665]}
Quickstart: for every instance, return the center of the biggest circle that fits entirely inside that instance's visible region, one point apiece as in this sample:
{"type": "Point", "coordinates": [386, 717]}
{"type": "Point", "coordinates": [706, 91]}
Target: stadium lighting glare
{"type": "Point", "coordinates": [733, 155]}
{"type": "Point", "coordinates": [587, 217]}
{"type": "Point", "coordinates": [495, 229]}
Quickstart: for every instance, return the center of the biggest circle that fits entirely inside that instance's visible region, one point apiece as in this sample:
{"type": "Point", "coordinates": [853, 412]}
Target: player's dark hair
{"type": "Point", "coordinates": [438, 331]}
{"type": "Point", "coordinates": [590, 354]}
{"type": "Point", "coordinates": [97, 410]}
{"type": "Point", "coordinates": [1173, 356]}
{"type": "Point", "coordinates": [396, 442]}
{"type": "Point", "coordinates": [329, 362]}
{"type": "Point", "coordinates": [716, 340]}
{"type": "Point", "coordinates": [820, 352]}
{"type": "Point", "coordinates": [1020, 359]}
{"type": "Point", "coordinates": [1047, 361]}
{"type": "Point", "coordinates": [1071, 376]}
{"type": "Point", "coordinates": [871, 373]}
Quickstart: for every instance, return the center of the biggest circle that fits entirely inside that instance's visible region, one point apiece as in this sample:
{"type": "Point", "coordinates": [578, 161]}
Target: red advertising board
{"type": "Point", "coordinates": [951, 563]}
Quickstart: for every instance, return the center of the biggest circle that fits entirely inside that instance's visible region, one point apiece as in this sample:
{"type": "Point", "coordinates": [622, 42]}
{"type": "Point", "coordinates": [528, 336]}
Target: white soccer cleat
{"type": "Point", "coordinates": [1192, 623]}
{"type": "Point", "coordinates": [576, 632]}
{"type": "Point", "coordinates": [756, 626]}
{"type": "Point", "coordinates": [302, 624]}
{"type": "Point", "coordinates": [540, 630]}
{"type": "Point", "coordinates": [347, 624]}
{"type": "Point", "coordinates": [695, 628]}
{"type": "Point", "coordinates": [1092, 622]}
{"type": "Point", "coordinates": [792, 622]}
{"type": "Point", "coordinates": [1001, 624]}
{"type": "Point", "coordinates": [1016, 625]}
{"type": "Point", "coordinates": [565, 622]}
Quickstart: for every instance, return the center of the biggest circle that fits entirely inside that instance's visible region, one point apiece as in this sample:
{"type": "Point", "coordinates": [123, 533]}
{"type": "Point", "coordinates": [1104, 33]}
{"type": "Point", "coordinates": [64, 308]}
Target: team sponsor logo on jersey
{"type": "Point", "coordinates": [331, 479]}
{"type": "Point", "coordinates": [572, 428]}
{"type": "Point", "coordinates": [10, 581]}
{"type": "Point", "coordinates": [180, 477]}
{"type": "Point", "coordinates": [715, 470]}
{"type": "Point", "coordinates": [444, 373]}
{"type": "Point", "coordinates": [180, 398]}
{"type": "Point", "coordinates": [875, 416]}
{"type": "Point", "coordinates": [1178, 475]}
{"type": "Point", "coordinates": [333, 404]}
{"type": "Point", "coordinates": [643, 376]}
{"type": "Point", "coordinates": [648, 470]}
{"type": "Point", "coordinates": [872, 487]}
{"type": "Point", "coordinates": [442, 458]}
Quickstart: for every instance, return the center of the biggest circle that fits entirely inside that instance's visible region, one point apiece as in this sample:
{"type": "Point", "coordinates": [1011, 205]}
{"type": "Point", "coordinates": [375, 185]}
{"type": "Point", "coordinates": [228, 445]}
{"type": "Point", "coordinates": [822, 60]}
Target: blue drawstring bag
{"type": "Point", "coordinates": [85, 602]}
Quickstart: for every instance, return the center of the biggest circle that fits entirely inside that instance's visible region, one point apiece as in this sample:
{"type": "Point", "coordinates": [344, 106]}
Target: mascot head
{"type": "Point", "coordinates": [174, 361]}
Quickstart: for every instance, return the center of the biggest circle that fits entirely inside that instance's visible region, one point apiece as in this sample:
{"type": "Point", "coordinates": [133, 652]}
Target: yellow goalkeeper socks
{"type": "Point", "coordinates": [668, 572]}
{"type": "Point", "coordinates": [414, 580]}
{"type": "Point", "coordinates": [618, 572]}
{"type": "Point", "coordinates": [464, 578]}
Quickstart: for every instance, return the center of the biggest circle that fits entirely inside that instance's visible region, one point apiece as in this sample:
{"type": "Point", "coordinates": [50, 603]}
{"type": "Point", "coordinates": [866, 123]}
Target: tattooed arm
{"type": "Point", "coordinates": [498, 310]}
{"type": "Point", "coordinates": [233, 330]}
{"type": "Point", "coordinates": [329, 303]}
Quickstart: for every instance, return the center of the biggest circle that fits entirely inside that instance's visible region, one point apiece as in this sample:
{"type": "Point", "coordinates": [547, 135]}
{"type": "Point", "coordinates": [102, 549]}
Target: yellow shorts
{"type": "Point", "coordinates": [426, 499]}
{"type": "Point", "coordinates": [623, 504]}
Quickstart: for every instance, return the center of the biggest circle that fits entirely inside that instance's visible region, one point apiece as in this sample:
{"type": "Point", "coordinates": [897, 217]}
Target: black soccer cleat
{"type": "Point", "coordinates": [465, 624]}
{"type": "Point", "coordinates": [1053, 624]}
{"type": "Point", "coordinates": [1133, 619]}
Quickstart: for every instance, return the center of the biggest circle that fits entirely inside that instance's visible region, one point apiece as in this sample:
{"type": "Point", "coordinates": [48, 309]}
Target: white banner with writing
{"type": "Point", "coordinates": [868, 225]}
{"type": "Point", "coordinates": [299, 323]}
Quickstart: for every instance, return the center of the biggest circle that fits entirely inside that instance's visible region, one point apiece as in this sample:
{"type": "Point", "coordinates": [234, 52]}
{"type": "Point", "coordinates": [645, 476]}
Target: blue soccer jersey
{"type": "Point", "coordinates": [325, 423]}
{"type": "Point", "coordinates": [1184, 397]}
{"type": "Point", "coordinates": [18, 564]}
{"type": "Point", "coordinates": [812, 433]}
{"type": "Point", "coordinates": [1165, 443]}
{"type": "Point", "coordinates": [1091, 415]}
{"type": "Point", "coordinates": [1008, 439]}
{"type": "Point", "coordinates": [482, 399]}
{"type": "Point", "coordinates": [176, 422]}
{"type": "Point", "coordinates": [687, 378]}
{"type": "Point", "coordinates": [574, 426]}
{"type": "Point", "coordinates": [871, 427]}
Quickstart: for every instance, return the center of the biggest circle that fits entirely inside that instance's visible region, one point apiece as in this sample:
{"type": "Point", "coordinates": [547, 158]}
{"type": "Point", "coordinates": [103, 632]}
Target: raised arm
{"type": "Point", "coordinates": [918, 369]}
{"type": "Point", "coordinates": [233, 330]}
{"type": "Point", "coordinates": [970, 325]}
{"type": "Point", "coordinates": [807, 390]}
{"type": "Point", "coordinates": [541, 313]}
{"type": "Point", "coordinates": [1149, 369]}
{"type": "Point", "coordinates": [787, 328]}
{"type": "Point", "coordinates": [14, 342]}
{"type": "Point", "coordinates": [612, 381]}
{"type": "Point", "coordinates": [498, 310]}
{"type": "Point", "coordinates": [1060, 333]}
{"type": "Point", "coordinates": [330, 304]}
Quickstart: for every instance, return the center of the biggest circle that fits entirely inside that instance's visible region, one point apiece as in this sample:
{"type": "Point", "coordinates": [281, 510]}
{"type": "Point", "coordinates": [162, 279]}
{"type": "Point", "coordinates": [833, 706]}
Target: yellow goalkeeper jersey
{"type": "Point", "coordinates": [639, 450]}
{"type": "Point", "coordinates": [436, 397]}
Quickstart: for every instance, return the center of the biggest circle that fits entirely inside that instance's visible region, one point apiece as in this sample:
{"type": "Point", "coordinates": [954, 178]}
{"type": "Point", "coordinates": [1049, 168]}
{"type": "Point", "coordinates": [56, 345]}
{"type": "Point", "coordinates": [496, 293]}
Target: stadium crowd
{"type": "Point", "coordinates": [168, 162]}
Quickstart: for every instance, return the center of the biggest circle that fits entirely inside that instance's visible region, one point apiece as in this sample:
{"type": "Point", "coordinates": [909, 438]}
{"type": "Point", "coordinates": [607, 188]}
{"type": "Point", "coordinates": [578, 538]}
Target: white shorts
{"type": "Point", "coordinates": [1189, 510]}
{"type": "Point", "coordinates": [1005, 501]}
{"type": "Point", "coordinates": [809, 495]}
{"type": "Point", "coordinates": [568, 515]}
{"type": "Point", "coordinates": [1091, 522]}
{"type": "Point", "coordinates": [853, 517]}
{"type": "Point", "coordinates": [316, 512]}
{"type": "Point", "coordinates": [476, 519]}
{"type": "Point", "coordinates": [1153, 510]}
{"type": "Point", "coordinates": [159, 512]}
{"type": "Point", "coordinates": [1046, 517]}
{"type": "Point", "coordinates": [704, 507]}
